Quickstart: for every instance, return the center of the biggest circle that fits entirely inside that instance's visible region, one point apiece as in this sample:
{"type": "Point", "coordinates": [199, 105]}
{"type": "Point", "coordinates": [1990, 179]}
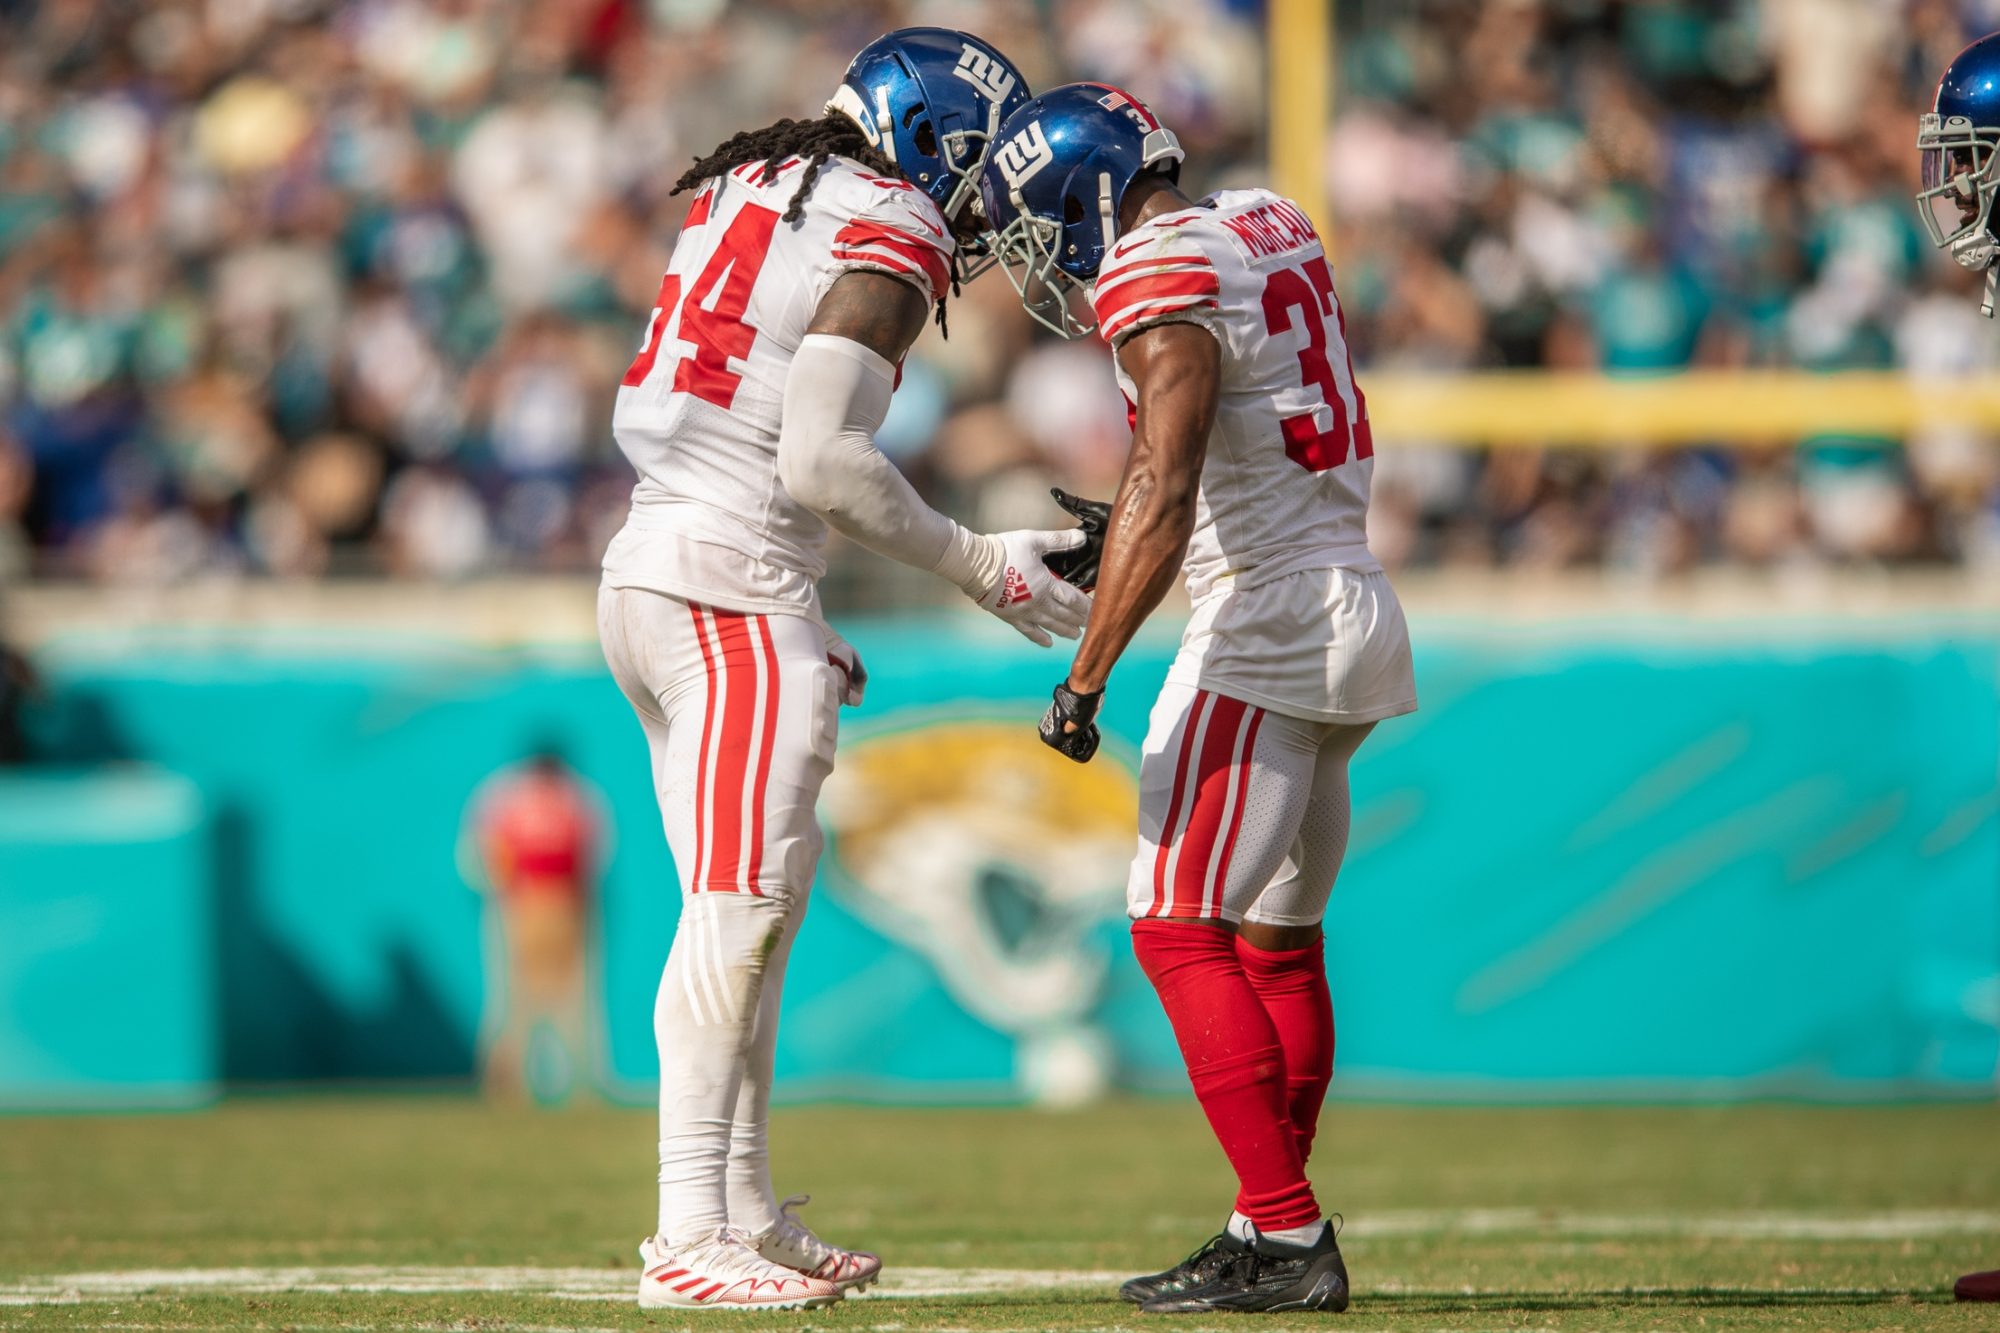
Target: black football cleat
{"type": "Point", "coordinates": [1198, 1268]}
{"type": "Point", "coordinates": [1267, 1277]}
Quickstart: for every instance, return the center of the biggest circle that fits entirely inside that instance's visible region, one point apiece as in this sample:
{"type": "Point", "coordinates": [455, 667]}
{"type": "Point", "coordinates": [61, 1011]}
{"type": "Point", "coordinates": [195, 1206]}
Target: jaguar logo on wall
{"type": "Point", "coordinates": [1000, 863]}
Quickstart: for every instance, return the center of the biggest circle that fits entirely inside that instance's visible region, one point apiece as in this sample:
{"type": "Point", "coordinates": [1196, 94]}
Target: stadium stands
{"type": "Point", "coordinates": [296, 287]}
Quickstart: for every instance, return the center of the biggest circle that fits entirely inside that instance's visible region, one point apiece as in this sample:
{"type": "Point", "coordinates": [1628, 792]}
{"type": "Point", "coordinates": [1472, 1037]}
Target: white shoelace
{"type": "Point", "coordinates": [792, 1232]}
{"type": "Point", "coordinates": [731, 1253]}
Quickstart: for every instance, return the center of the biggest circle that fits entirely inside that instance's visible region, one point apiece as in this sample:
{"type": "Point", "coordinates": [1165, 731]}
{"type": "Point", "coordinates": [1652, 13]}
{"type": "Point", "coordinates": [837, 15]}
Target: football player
{"type": "Point", "coordinates": [1959, 139]}
{"type": "Point", "coordinates": [1249, 476]}
{"type": "Point", "coordinates": [812, 254]}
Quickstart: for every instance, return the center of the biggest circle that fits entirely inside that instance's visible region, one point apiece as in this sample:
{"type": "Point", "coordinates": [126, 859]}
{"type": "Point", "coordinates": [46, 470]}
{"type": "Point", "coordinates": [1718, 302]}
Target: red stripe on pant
{"type": "Point", "coordinates": [1241, 765]}
{"type": "Point", "coordinates": [1183, 885]}
{"type": "Point", "coordinates": [711, 659]}
{"type": "Point", "coordinates": [736, 744]}
{"type": "Point", "coordinates": [1170, 828]}
{"type": "Point", "coordinates": [766, 743]}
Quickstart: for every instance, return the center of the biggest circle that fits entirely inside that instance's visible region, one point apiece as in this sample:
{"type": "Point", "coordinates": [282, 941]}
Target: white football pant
{"type": "Point", "coordinates": [740, 712]}
{"type": "Point", "coordinates": [1243, 812]}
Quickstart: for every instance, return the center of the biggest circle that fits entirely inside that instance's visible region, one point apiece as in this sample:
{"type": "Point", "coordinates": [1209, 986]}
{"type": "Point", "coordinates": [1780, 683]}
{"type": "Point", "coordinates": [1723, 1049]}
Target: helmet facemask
{"type": "Point", "coordinates": [964, 154]}
{"type": "Point", "coordinates": [975, 253]}
{"type": "Point", "coordinates": [1026, 252]}
{"type": "Point", "coordinates": [1960, 160]}
{"type": "Point", "coordinates": [1029, 250]}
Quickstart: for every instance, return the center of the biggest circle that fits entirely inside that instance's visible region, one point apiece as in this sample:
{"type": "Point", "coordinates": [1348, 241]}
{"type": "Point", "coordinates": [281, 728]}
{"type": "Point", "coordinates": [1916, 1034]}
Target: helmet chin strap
{"type": "Point", "coordinates": [1105, 212]}
{"type": "Point", "coordinates": [1977, 250]}
{"type": "Point", "coordinates": [885, 124]}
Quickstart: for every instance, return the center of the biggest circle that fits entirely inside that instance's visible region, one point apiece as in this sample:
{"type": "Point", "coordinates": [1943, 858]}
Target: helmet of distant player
{"type": "Point", "coordinates": [932, 100]}
{"type": "Point", "coordinates": [1054, 184]}
{"type": "Point", "coordinates": [1959, 138]}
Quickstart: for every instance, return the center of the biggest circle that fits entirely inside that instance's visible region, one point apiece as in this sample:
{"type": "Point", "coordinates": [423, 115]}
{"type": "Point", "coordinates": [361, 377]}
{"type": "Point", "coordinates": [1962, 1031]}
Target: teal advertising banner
{"type": "Point", "coordinates": [1599, 863]}
{"type": "Point", "coordinates": [107, 973]}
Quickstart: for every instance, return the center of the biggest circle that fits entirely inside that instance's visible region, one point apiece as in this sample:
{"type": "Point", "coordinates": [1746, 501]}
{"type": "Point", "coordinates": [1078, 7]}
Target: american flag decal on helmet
{"type": "Point", "coordinates": [1117, 99]}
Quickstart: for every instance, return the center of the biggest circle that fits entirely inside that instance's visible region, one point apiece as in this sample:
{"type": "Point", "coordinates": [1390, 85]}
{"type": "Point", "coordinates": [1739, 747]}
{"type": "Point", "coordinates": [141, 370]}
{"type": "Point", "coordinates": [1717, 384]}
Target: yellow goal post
{"type": "Point", "coordinates": [1499, 409]}
{"type": "Point", "coordinates": [1733, 408]}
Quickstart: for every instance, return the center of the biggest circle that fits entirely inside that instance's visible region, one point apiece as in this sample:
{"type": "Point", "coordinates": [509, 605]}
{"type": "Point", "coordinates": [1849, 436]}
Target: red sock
{"type": "Point", "coordinates": [1292, 985]}
{"type": "Point", "coordinates": [1235, 1063]}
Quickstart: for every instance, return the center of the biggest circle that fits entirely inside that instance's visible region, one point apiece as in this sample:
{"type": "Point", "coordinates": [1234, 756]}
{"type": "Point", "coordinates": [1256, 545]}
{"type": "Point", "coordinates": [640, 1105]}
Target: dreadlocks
{"type": "Point", "coordinates": [814, 140]}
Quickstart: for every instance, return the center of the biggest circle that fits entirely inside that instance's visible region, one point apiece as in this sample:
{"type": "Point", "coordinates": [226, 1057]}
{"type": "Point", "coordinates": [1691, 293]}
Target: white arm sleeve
{"type": "Point", "coordinates": [836, 396]}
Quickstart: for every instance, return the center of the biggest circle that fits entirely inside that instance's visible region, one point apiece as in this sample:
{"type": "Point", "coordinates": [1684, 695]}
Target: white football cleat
{"type": "Point", "coordinates": [724, 1272]}
{"type": "Point", "coordinates": [792, 1244]}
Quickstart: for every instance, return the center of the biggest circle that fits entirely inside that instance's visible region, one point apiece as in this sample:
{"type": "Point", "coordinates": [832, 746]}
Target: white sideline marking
{"type": "Point", "coordinates": [616, 1284]}
{"type": "Point", "coordinates": [581, 1284]}
{"type": "Point", "coordinates": [291, 1327]}
{"type": "Point", "coordinates": [1894, 1224]}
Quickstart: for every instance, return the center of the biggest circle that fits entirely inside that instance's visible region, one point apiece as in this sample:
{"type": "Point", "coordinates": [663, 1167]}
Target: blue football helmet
{"type": "Point", "coordinates": [1960, 141]}
{"type": "Point", "coordinates": [1053, 186]}
{"type": "Point", "coordinates": [932, 99]}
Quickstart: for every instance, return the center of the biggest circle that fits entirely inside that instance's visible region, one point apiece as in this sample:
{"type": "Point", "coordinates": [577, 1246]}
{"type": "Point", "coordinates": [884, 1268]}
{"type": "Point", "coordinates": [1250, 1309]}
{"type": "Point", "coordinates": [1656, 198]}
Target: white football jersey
{"type": "Point", "coordinates": [698, 411]}
{"type": "Point", "coordinates": [1291, 610]}
{"type": "Point", "coordinates": [1285, 484]}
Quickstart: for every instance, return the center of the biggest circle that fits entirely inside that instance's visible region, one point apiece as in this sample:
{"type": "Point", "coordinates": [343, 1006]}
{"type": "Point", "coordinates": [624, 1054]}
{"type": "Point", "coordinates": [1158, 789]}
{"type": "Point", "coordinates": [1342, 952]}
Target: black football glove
{"type": "Point", "coordinates": [1081, 709]}
{"type": "Point", "coordinates": [1079, 567]}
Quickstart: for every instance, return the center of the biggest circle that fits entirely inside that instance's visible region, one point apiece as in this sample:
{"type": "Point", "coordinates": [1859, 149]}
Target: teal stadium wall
{"type": "Point", "coordinates": [1602, 862]}
{"type": "Point", "coordinates": [107, 975]}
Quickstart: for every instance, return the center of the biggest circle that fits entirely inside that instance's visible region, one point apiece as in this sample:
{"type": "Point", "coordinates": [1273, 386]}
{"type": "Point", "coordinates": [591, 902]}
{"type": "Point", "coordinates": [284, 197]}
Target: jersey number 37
{"type": "Point", "coordinates": [1308, 289]}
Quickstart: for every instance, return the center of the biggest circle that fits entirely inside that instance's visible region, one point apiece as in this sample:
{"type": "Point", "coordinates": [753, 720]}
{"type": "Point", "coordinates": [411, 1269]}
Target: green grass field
{"type": "Point", "coordinates": [1754, 1217]}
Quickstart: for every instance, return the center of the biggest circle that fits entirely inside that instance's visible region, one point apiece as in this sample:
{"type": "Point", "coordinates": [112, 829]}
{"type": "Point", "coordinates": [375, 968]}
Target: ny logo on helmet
{"type": "Point", "coordinates": [1024, 155]}
{"type": "Point", "coordinates": [984, 73]}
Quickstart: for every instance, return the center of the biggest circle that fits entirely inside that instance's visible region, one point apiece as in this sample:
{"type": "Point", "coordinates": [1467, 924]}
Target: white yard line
{"type": "Point", "coordinates": [914, 1282]}
{"type": "Point", "coordinates": [1894, 1224]}
{"type": "Point", "coordinates": [290, 1327]}
{"type": "Point", "coordinates": [612, 1284]}
{"type": "Point", "coordinates": [586, 1284]}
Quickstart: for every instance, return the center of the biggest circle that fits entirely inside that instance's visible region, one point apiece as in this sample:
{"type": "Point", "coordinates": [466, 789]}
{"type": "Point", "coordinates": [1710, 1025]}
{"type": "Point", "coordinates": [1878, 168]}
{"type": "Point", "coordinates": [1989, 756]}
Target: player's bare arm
{"type": "Point", "coordinates": [1177, 368]}
{"type": "Point", "coordinates": [882, 313]}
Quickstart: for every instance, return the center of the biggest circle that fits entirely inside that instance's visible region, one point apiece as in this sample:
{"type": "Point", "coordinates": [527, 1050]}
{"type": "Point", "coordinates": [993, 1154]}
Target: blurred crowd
{"type": "Point", "coordinates": [1640, 188]}
{"type": "Point", "coordinates": [297, 287]}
